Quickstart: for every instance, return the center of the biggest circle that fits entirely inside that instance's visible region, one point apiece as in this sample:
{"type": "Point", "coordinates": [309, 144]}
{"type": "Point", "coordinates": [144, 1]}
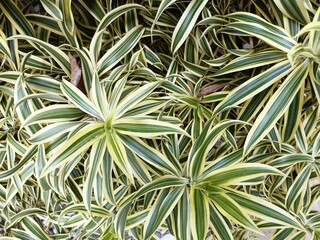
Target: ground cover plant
{"type": "Point", "coordinates": [200, 118]}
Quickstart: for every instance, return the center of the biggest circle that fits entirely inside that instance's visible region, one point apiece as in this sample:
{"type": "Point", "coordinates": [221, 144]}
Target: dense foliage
{"type": "Point", "coordinates": [123, 118]}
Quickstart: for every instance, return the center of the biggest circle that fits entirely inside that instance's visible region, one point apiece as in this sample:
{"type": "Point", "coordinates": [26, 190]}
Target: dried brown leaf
{"type": "Point", "coordinates": [76, 76]}
{"type": "Point", "coordinates": [210, 89]}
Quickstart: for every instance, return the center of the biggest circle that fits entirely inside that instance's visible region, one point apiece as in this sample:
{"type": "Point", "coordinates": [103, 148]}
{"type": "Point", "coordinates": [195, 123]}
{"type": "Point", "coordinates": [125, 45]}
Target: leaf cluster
{"type": "Point", "coordinates": [119, 119]}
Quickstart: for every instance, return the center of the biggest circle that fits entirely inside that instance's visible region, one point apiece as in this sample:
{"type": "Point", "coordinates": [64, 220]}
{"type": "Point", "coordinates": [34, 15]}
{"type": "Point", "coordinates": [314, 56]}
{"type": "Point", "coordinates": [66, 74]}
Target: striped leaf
{"type": "Point", "coordinates": [223, 161]}
{"type": "Point", "coordinates": [255, 85]}
{"type": "Point", "coordinates": [264, 209]}
{"type": "Point", "coordinates": [120, 49]}
{"type": "Point", "coordinates": [54, 113]}
{"type": "Point", "coordinates": [145, 128]}
{"type": "Point", "coordinates": [78, 143]}
{"type": "Point", "coordinates": [161, 182]}
{"type": "Point", "coordinates": [262, 32]}
{"type": "Point", "coordinates": [298, 187]}
{"type": "Point", "coordinates": [52, 9]}
{"type": "Point", "coordinates": [59, 56]}
{"type": "Point", "coordinates": [220, 227]}
{"type": "Point", "coordinates": [68, 16]}
{"type": "Point", "coordinates": [161, 209]}
{"type": "Point", "coordinates": [119, 155]}
{"type": "Point", "coordinates": [116, 13]}
{"type": "Point", "coordinates": [131, 100]}
{"type": "Point", "coordinates": [232, 210]}
{"type": "Point", "coordinates": [136, 219]}
{"type": "Point", "coordinates": [162, 7]}
{"type": "Point", "coordinates": [199, 217]}
{"type": "Point", "coordinates": [186, 23]}
{"type": "Point", "coordinates": [293, 113]}
{"type": "Point", "coordinates": [79, 207]}
{"type": "Point", "coordinates": [99, 97]}
{"type": "Point", "coordinates": [27, 156]}
{"type": "Point", "coordinates": [53, 131]}
{"type": "Point", "coordinates": [182, 220]}
{"type": "Point", "coordinates": [294, 9]}
{"type": "Point", "coordinates": [16, 17]}
{"type": "Point", "coordinates": [79, 99]}
{"type": "Point", "coordinates": [98, 152]}
{"type": "Point", "coordinates": [33, 228]}
{"type": "Point", "coordinates": [238, 173]}
{"type": "Point", "coordinates": [252, 61]}
{"type": "Point", "coordinates": [290, 160]}
{"type": "Point", "coordinates": [197, 157]}
{"type": "Point", "coordinates": [277, 105]}
{"type": "Point", "coordinates": [148, 154]}
{"type": "Point", "coordinates": [253, 18]}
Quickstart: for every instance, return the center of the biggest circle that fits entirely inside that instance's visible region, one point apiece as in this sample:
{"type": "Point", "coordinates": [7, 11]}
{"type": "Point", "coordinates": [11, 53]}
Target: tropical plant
{"type": "Point", "coordinates": [121, 119]}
